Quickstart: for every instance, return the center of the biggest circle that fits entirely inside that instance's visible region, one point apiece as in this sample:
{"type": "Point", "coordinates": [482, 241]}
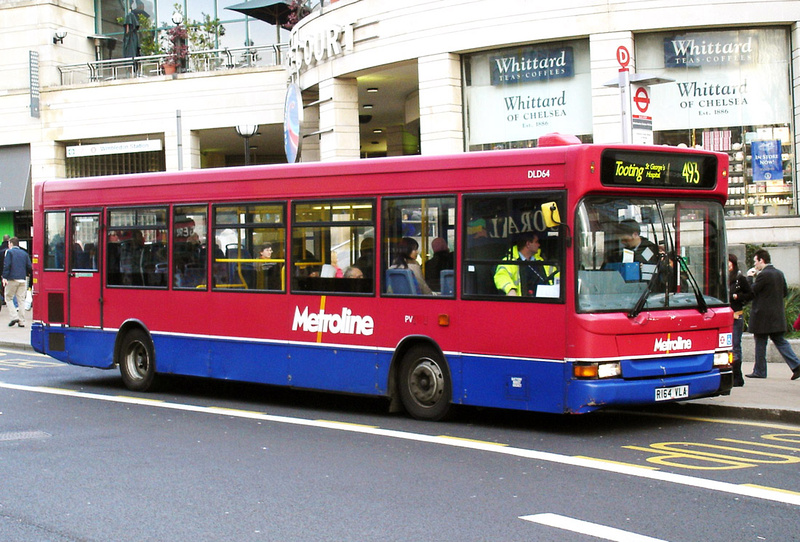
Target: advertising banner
{"type": "Point", "coordinates": [726, 78]}
{"type": "Point", "coordinates": [522, 94]}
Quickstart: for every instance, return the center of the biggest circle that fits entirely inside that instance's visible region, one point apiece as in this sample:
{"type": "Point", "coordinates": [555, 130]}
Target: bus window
{"type": "Point", "coordinates": [83, 255]}
{"type": "Point", "coordinates": [509, 249]}
{"type": "Point", "coordinates": [419, 242]}
{"type": "Point", "coordinates": [329, 238]}
{"type": "Point", "coordinates": [189, 244]}
{"type": "Point", "coordinates": [249, 247]}
{"type": "Point", "coordinates": [137, 247]}
{"type": "Point", "coordinates": [55, 223]}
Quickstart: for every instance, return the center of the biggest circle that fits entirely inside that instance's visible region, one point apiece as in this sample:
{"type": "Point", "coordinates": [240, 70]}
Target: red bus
{"type": "Point", "coordinates": [562, 279]}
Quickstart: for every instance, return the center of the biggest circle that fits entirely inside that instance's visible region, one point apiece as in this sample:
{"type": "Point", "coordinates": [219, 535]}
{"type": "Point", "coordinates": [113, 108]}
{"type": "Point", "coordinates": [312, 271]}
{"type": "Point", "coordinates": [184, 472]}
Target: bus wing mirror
{"type": "Point", "coordinates": [552, 217]}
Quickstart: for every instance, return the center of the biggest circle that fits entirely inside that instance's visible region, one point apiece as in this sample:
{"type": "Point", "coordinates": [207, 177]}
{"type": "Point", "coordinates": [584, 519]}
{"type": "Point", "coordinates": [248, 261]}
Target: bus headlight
{"type": "Point", "coordinates": [597, 370]}
{"type": "Point", "coordinates": [722, 359]}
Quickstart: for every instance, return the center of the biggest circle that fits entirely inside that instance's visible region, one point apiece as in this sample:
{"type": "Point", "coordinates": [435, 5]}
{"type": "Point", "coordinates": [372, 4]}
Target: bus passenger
{"type": "Point", "coordinates": [516, 279]}
{"type": "Point", "coordinates": [353, 272]}
{"type": "Point", "coordinates": [406, 258]}
{"type": "Point", "coordinates": [442, 259]}
{"type": "Point", "coordinates": [366, 258]}
{"type": "Point", "coordinates": [271, 270]}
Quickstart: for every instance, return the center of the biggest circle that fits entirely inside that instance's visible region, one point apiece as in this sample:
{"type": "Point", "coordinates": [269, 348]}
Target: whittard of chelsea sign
{"type": "Point", "coordinates": [527, 65]}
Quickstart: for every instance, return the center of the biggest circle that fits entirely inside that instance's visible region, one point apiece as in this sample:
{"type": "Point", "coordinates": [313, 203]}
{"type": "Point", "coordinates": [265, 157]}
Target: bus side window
{"type": "Point", "coordinates": [510, 251]}
{"type": "Point", "coordinates": [419, 241]}
{"type": "Point", "coordinates": [329, 237]}
{"type": "Point", "coordinates": [55, 224]}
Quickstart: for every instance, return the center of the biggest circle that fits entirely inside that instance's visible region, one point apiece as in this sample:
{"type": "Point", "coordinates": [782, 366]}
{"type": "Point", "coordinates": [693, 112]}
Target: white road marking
{"type": "Point", "coordinates": [769, 494]}
{"type": "Point", "coordinates": [585, 527]}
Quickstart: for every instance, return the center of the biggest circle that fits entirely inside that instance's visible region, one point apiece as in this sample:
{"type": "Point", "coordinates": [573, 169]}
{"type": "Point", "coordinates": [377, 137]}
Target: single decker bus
{"type": "Point", "coordinates": [563, 278]}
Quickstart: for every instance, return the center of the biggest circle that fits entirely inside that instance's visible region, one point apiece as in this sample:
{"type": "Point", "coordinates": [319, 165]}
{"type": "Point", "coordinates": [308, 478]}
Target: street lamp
{"type": "Point", "coordinates": [247, 131]}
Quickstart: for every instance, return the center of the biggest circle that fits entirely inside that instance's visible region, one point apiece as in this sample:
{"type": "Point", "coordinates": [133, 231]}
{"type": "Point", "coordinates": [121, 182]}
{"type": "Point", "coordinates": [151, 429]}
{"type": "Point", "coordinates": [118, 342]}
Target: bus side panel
{"type": "Point", "coordinates": [512, 383]}
{"type": "Point", "coordinates": [339, 369]}
{"type": "Point", "coordinates": [588, 395]}
{"type": "Point", "coordinates": [85, 347]}
{"type": "Point", "coordinates": [321, 367]}
{"type": "Point", "coordinates": [247, 361]}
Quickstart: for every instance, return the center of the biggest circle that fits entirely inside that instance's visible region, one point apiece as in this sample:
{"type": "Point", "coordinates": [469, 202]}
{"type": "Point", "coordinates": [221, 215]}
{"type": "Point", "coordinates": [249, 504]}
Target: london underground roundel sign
{"type": "Point", "coordinates": [292, 119]}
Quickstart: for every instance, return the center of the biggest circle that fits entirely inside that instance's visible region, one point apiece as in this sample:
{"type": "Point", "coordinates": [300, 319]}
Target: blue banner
{"type": "Point", "coordinates": [767, 163]}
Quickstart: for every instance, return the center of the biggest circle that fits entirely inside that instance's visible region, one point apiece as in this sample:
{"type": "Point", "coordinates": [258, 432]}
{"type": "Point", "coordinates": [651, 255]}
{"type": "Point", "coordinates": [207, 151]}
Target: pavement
{"type": "Point", "coordinates": [775, 398]}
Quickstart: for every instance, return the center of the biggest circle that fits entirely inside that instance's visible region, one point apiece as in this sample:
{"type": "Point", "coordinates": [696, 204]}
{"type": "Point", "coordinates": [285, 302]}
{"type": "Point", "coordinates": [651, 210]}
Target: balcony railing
{"type": "Point", "coordinates": [150, 66]}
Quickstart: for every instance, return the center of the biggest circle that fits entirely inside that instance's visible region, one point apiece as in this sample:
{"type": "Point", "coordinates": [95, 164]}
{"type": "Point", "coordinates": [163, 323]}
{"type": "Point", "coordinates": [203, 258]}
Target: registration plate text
{"type": "Point", "coordinates": [668, 394]}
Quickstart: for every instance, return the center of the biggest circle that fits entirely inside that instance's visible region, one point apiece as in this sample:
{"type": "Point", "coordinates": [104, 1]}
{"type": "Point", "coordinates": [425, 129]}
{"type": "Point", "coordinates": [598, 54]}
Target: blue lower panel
{"type": "Point", "coordinates": [667, 366]}
{"type": "Point", "coordinates": [85, 347]}
{"type": "Point", "coordinates": [320, 367]}
{"type": "Point", "coordinates": [510, 383]}
{"type": "Point", "coordinates": [588, 395]}
{"type": "Point", "coordinates": [338, 369]}
{"type": "Point", "coordinates": [301, 366]}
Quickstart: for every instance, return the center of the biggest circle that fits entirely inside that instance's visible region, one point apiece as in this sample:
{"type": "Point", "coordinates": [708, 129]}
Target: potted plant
{"type": "Point", "coordinates": [178, 50]}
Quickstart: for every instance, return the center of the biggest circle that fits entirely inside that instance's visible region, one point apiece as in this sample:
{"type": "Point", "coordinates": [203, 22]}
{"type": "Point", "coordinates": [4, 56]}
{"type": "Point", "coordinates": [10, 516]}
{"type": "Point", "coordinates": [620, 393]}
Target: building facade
{"type": "Point", "coordinates": [378, 78]}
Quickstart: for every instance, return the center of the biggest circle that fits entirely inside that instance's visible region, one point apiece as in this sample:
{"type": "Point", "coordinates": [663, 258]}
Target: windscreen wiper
{"type": "Point", "coordinates": [702, 306]}
{"type": "Point", "coordinates": [649, 289]}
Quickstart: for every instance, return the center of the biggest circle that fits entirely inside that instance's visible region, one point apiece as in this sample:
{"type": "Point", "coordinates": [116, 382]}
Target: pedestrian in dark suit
{"type": "Point", "coordinates": [768, 317]}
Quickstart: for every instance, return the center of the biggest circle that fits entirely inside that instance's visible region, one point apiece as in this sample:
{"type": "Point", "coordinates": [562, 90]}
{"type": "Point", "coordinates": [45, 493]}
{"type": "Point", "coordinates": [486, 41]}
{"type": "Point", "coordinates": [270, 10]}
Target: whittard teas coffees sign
{"type": "Point", "coordinates": [727, 78]}
{"type": "Point", "coordinates": [521, 94]}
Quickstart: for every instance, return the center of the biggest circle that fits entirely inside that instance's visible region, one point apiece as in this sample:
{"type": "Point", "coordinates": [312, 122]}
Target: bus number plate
{"type": "Point", "coordinates": [667, 394]}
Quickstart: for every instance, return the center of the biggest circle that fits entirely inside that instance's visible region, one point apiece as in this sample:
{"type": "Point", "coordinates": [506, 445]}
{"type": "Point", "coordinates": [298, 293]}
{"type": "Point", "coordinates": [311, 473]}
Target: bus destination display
{"type": "Point", "coordinates": [657, 169]}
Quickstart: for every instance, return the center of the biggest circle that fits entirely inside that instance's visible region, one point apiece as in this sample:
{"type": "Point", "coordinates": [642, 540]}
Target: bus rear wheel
{"type": "Point", "coordinates": [425, 386]}
{"type": "Point", "coordinates": [137, 361]}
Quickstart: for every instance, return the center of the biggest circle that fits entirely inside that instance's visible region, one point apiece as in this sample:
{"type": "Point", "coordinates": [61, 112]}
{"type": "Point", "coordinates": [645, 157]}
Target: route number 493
{"type": "Point", "coordinates": [691, 173]}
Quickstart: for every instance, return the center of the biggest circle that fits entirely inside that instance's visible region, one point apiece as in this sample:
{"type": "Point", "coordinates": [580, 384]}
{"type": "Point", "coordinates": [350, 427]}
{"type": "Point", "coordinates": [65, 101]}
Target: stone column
{"type": "Point", "coordinates": [338, 120]}
{"type": "Point", "coordinates": [394, 140]}
{"type": "Point", "coordinates": [440, 104]}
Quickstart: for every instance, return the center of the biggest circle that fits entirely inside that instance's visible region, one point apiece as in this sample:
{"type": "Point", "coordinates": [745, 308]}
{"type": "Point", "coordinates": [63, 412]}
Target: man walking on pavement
{"type": "Point", "coordinates": [16, 269]}
{"type": "Point", "coordinates": [767, 316]}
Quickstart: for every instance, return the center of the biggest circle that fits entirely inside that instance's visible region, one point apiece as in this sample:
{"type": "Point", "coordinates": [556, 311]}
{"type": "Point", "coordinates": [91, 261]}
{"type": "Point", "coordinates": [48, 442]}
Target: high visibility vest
{"type": "Point", "coordinates": [507, 277]}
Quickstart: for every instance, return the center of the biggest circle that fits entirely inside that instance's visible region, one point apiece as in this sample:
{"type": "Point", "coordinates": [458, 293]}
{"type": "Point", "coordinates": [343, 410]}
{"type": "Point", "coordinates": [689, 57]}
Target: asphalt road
{"type": "Point", "coordinates": [81, 458]}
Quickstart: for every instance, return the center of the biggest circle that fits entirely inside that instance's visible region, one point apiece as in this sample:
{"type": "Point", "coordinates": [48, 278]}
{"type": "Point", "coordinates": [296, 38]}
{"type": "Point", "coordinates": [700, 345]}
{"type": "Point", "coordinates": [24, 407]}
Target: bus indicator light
{"type": "Point", "coordinates": [444, 320]}
{"type": "Point", "coordinates": [585, 371]}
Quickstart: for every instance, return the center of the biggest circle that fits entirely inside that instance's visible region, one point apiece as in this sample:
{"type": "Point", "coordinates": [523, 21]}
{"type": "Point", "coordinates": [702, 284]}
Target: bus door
{"type": "Point", "coordinates": [85, 283]}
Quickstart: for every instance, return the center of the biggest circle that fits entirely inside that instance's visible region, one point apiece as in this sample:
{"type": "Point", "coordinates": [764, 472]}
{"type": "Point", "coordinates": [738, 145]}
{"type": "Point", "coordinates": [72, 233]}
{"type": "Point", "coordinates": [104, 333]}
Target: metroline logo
{"type": "Point", "coordinates": [667, 345]}
{"type": "Point", "coordinates": [321, 322]}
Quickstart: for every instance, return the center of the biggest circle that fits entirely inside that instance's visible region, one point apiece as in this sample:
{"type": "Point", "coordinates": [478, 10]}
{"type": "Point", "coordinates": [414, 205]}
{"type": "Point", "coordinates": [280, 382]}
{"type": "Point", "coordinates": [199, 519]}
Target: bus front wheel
{"type": "Point", "coordinates": [425, 387]}
{"type": "Point", "coordinates": [137, 361]}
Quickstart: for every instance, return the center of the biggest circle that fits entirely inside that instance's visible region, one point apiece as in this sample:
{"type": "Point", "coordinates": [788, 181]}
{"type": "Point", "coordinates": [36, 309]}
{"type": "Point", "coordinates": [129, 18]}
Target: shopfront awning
{"type": "Point", "coordinates": [15, 178]}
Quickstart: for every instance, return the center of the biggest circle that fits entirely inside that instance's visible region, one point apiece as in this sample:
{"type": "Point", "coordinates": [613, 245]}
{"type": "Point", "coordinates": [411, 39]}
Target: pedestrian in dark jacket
{"type": "Point", "coordinates": [768, 316]}
{"type": "Point", "coordinates": [16, 270]}
{"type": "Point", "coordinates": [740, 295]}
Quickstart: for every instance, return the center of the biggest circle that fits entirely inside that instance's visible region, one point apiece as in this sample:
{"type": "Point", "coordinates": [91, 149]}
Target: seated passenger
{"type": "Point", "coordinates": [521, 278]}
{"type": "Point", "coordinates": [271, 278]}
{"type": "Point", "coordinates": [353, 272]}
{"type": "Point", "coordinates": [406, 258]}
{"type": "Point", "coordinates": [442, 259]}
